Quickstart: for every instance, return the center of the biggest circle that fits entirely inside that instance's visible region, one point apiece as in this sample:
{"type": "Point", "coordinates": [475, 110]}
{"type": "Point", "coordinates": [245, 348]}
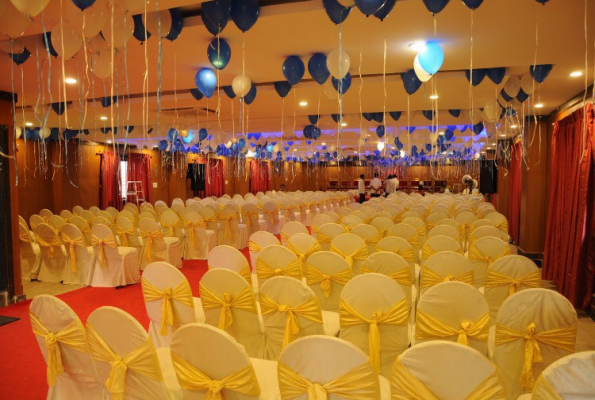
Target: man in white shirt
{"type": "Point", "coordinates": [361, 187]}
{"type": "Point", "coordinates": [376, 185]}
{"type": "Point", "coordinates": [389, 186]}
{"type": "Point", "coordinates": [395, 183]}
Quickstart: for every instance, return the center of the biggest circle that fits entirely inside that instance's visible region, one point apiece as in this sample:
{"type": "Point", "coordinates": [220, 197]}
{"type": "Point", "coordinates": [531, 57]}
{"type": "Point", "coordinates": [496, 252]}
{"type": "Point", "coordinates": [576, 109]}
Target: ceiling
{"type": "Point", "coordinates": [504, 35]}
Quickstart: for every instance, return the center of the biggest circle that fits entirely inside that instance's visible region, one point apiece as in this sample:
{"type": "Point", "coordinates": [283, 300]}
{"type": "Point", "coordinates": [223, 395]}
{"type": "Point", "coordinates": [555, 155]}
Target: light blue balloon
{"type": "Point", "coordinates": [431, 57]}
{"type": "Point", "coordinates": [206, 82]}
{"type": "Point", "coordinates": [188, 138]}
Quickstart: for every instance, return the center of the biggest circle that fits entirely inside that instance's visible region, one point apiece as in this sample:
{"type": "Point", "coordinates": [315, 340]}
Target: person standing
{"type": "Point", "coordinates": [395, 183]}
{"type": "Point", "coordinates": [376, 185]}
{"type": "Point", "coordinates": [389, 186]}
{"type": "Point", "coordinates": [361, 187]}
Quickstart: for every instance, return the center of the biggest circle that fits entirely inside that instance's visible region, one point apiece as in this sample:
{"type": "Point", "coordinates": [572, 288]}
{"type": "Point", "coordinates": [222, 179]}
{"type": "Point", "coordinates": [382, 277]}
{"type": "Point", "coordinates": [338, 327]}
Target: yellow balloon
{"type": "Point", "coordinates": [90, 21]}
{"type": "Point", "coordinates": [30, 8]}
{"type": "Point", "coordinates": [35, 46]}
{"type": "Point", "coordinates": [14, 46]}
{"type": "Point", "coordinates": [153, 21]}
{"type": "Point", "coordinates": [101, 64]}
{"type": "Point", "coordinates": [241, 85]}
{"type": "Point", "coordinates": [134, 5]}
{"type": "Point", "coordinates": [12, 21]}
{"type": "Point", "coordinates": [65, 40]}
{"type": "Point", "coordinates": [96, 44]}
{"type": "Point", "coordinates": [123, 28]}
{"type": "Point", "coordinates": [45, 133]}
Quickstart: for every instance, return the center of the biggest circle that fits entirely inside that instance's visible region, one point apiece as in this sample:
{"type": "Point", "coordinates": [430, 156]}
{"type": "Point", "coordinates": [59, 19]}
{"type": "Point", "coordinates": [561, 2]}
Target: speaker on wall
{"type": "Point", "coordinates": [488, 177]}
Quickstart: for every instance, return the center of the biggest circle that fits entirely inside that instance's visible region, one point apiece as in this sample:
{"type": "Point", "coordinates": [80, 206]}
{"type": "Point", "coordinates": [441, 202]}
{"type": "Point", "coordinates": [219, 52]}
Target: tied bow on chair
{"type": "Point", "coordinates": [265, 271]}
{"type": "Point", "coordinates": [244, 300]}
{"type": "Point", "coordinates": [360, 254]}
{"type": "Point", "coordinates": [171, 227]}
{"type": "Point", "coordinates": [123, 233]}
{"type": "Point", "coordinates": [494, 279]}
{"type": "Point", "coordinates": [55, 242]}
{"type": "Point", "coordinates": [181, 293]}
{"type": "Point", "coordinates": [227, 218]}
{"type": "Point", "coordinates": [148, 240]}
{"type": "Point", "coordinates": [189, 226]}
{"type": "Point", "coordinates": [271, 214]}
{"type": "Point", "coordinates": [108, 241]}
{"type": "Point", "coordinates": [314, 276]}
{"type": "Point", "coordinates": [476, 255]}
{"type": "Point", "coordinates": [72, 249]}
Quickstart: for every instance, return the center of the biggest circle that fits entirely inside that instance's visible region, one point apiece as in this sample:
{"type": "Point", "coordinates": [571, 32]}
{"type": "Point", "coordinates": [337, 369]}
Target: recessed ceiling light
{"type": "Point", "coordinates": [513, 126]}
{"type": "Point", "coordinates": [70, 81]}
{"type": "Point", "coordinates": [483, 152]}
{"type": "Point", "coordinates": [493, 144]}
{"type": "Point", "coordinates": [344, 124]}
{"type": "Point", "coordinates": [539, 105]}
{"type": "Point", "coordinates": [109, 142]}
{"type": "Point", "coordinates": [576, 74]}
{"type": "Point", "coordinates": [355, 152]}
{"type": "Point", "coordinates": [417, 46]}
{"type": "Point", "coordinates": [303, 103]}
{"type": "Point", "coordinates": [502, 135]}
{"type": "Point", "coordinates": [434, 97]}
{"type": "Point", "coordinates": [441, 133]}
{"type": "Point", "coordinates": [294, 149]}
{"type": "Point", "coordinates": [28, 123]}
{"type": "Point", "coordinates": [323, 143]}
{"type": "Point", "coordinates": [104, 118]}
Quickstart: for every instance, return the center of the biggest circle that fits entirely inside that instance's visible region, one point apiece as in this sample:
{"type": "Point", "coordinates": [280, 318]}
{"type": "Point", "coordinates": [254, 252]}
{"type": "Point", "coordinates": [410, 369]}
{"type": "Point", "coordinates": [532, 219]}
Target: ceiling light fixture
{"type": "Point", "coordinates": [576, 74]}
{"type": "Point", "coordinates": [539, 105]}
{"type": "Point", "coordinates": [417, 46]}
{"type": "Point", "coordinates": [344, 124]}
{"type": "Point", "coordinates": [103, 118]}
{"type": "Point", "coordinates": [28, 123]}
{"type": "Point", "coordinates": [380, 146]}
{"type": "Point", "coordinates": [70, 81]}
{"type": "Point", "coordinates": [294, 149]}
{"type": "Point", "coordinates": [303, 103]}
{"type": "Point", "coordinates": [109, 142]}
{"type": "Point", "coordinates": [513, 126]}
{"type": "Point", "coordinates": [434, 97]}
{"type": "Point", "coordinates": [441, 133]}
{"type": "Point", "coordinates": [502, 135]}
{"type": "Point", "coordinates": [323, 143]}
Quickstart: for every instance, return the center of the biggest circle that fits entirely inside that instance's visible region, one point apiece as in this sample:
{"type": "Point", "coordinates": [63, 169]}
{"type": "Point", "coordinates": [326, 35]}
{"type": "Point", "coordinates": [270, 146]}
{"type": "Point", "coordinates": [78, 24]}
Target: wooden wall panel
{"type": "Point", "coordinates": [34, 187]}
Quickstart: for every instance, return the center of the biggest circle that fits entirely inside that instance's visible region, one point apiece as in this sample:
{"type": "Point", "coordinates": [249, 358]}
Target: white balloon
{"type": "Point", "coordinates": [492, 110]}
{"type": "Point", "coordinates": [18, 132]}
{"type": "Point", "coordinates": [66, 41]}
{"type": "Point", "coordinates": [154, 20]}
{"type": "Point", "coordinates": [45, 133]}
{"type": "Point", "coordinates": [338, 63]}
{"type": "Point", "coordinates": [96, 44]}
{"type": "Point", "coordinates": [528, 84]}
{"type": "Point", "coordinates": [333, 148]}
{"type": "Point", "coordinates": [228, 144]}
{"type": "Point", "coordinates": [13, 22]}
{"type": "Point", "coordinates": [347, 3]}
{"type": "Point", "coordinates": [123, 28]}
{"type": "Point", "coordinates": [476, 116]}
{"type": "Point", "coordinates": [94, 19]}
{"type": "Point", "coordinates": [276, 148]}
{"type": "Point", "coordinates": [512, 86]}
{"type": "Point", "coordinates": [30, 8]}
{"type": "Point", "coordinates": [422, 75]}
{"type": "Point", "coordinates": [101, 64]}
{"type": "Point", "coordinates": [241, 85]}
{"type": "Point", "coordinates": [14, 46]}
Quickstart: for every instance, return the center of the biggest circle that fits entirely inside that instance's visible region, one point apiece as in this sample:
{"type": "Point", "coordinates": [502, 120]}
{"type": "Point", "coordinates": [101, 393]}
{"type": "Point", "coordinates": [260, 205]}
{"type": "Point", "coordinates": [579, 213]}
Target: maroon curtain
{"type": "Point", "coordinates": [109, 181]}
{"type": "Point", "coordinates": [139, 169]}
{"type": "Point", "coordinates": [570, 215]}
{"type": "Point", "coordinates": [259, 176]}
{"type": "Point", "coordinates": [514, 203]}
{"type": "Point", "coordinates": [215, 181]}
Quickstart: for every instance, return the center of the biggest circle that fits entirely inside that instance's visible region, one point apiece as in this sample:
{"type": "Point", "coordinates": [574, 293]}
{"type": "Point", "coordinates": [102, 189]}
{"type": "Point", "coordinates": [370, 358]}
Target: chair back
{"type": "Point", "coordinates": [446, 230]}
{"type": "Point", "coordinates": [66, 215]}
{"type": "Point", "coordinates": [382, 224]}
{"type": "Point", "coordinates": [481, 222]}
{"type": "Point", "coordinates": [369, 234]}
{"type": "Point", "coordinates": [79, 257]}
{"type": "Point", "coordinates": [76, 210]}
{"type": "Point", "coordinates": [227, 257]}
{"type": "Point", "coordinates": [487, 231]}
{"type": "Point", "coordinates": [401, 247]}
{"type": "Point", "coordinates": [56, 222]}
{"type": "Point", "coordinates": [406, 232]}
{"type": "Point", "coordinates": [250, 217]}
{"type": "Point", "coordinates": [127, 233]}
{"type": "Point", "coordinates": [171, 226]}
{"type": "Point", "coordinates": [534, 328]}
{"type": "Point", "coordinates": [154, 248]}
{"type": "Point", "coordinates": [395, 267]}
{"type": "Point", "coordinates": [45, 214]}
{"type": "Point", "coordinates": [277, 261]}
{"type": "Point", "coordinates": [326, 234]}
{"type": "Point", "coordinates": [420, 227]}
{"type": "Point", "coordinates": [567, 378]}
{"type": "Point", "coordinates": [87, 215]}
{"type": "Point", "coordinates": [106, 215]}
{"type": "Point", "coordinates": [114, 212]}
{"type": "Point", "coordinates": [352, 248]}
{"type": "Point", "coordinates": [326, 274]}
{"type": "Point", "coordinates": [54, 259]}
{"type": "Point", "coordinates": [291, 228]}
{"type": "Point", "coordinates": [445, 266]}
{"type": "Point", "coordinates": [317, 221]}
{"type": "Point", "coordinates": [229, 228]}
{"type": "Point", "coordinates": [303, 246]}
{"type": "Point", "coordinates": [499, 220]}
{"type": "Point", "coordinates": [482, 253]}
{"type": "Point", "coordinates": [35, 220]}
{"type": "Point", "coordinates": [436, 244]}
{"type": "Point", "coordinates": [258, 241]}
{"type": "Point", "coordinates": [229, 304]}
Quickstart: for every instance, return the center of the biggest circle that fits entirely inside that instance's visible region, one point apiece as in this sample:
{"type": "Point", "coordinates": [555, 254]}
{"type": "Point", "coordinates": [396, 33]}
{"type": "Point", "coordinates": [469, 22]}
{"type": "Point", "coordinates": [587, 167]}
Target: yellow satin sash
{"type": "Point", "coordinates": [109, 241]}
{"type": "Point", "coordinates": [148, 240]}
{"type": "Point", "coordinates": [24, 235]}
{"type": "Point", "coordinates": [142, 360]}
{"type": "Point", "coordinates": [171, 228]}
{"type": "Point", "coordinates": [407, 254]}
{"type": "Point", "coordinates": [321, 238]}
{"type": "Point", "coordinates": [495, 279]}
{"type": "Point", "coordinates": [562, 338]}
{"type": "Point", "coordinates": [398, 314]}
{"type": "Point", "coordinates": [73, 336]}
{"type": "Point", "coordinates": [72, 249]}
{"type": "Point", "coordinates": [189, 227]}
{"type": "Point", "coordinates": [247, 217]}
{"type": "Point", "coordinates": [428, 327]}
{"type": "Point", "coordinates": [304, 256]}
{"type": "Point", "coordinates": [360, 254]}
{"type": "Point", "coordinates": [310, 309]}
{"type": "Point", "coordinates": [243, 381]}
{"type": "Point", "coordinates": [402, 276]}
{"type": "Point", "coordinates": [476, 255]}
{"type": "Point", "coordinates": [314, 276]}
{"type": "Point", "coordinates": [271, 214]}
{"type": "Point", "coordinates": [361, 383]}
{"type": "Point", "coordinates": [55, 242]}
{"type": "Point", "coordinates": [503, 226]}
{"type": "Point", "coordinates": [244, 300]}
{"type": "Point", "coordinates": [414, 240]}
{"type": "Point", "coordinates": [284, 237]}
{"type": "Point", "coordinates": [314, 229]}
{"type": "Point", "coordinates": [427, 251]}
{"type": "Point", "coordinates": [405, 386]}
{"type": "Point", "coordinates": [253, 246]}
{"type": "Point", "coordinates": [265, 271]}
{"type": "Point", "coordinates": [245, 272]}
{"type": "Point", "coordinates": [421, 230]}
{"type": "Point", "coordinates": [430, 278]}
{"type": "Point", "coordinates": [181, 293]}
{"type": "Point", "coordinates": [227, 219]}
{"type": "Point", "coordinates": [123, 233]}
{"type": "Point", "coordinates": [375, 238]}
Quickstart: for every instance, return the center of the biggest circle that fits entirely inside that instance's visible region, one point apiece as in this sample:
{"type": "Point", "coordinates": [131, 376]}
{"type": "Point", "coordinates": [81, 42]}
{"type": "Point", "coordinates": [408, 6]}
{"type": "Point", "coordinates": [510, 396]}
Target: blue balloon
{"type": "Point", "coordinates": [335, 11]}
{"type": "Point", "coordinates": [428, 147]}
{"type": "Point", "coordinates": [188, 138]}
{"type": "Point", "coordinates": [293, 69]}
{"type": "Point", "coordinates": [195, 149]}
{"type": "Point", "coordinates": [139, 28]}
{"type": "Point", "coordinates": [336, 117]}
{"type": "Point", "coordinates": [196, 94]}
{"type": "Point", "coordinates": [431, 57]}
{"type": "Point", "coordinates": [410, 81]}
{"type": "Point", "coordinates": [385, 9]}
{"type": "Point", "coordinates": [318, 69]}
{"type": "Point", "coordinates": [313, 119]}
{"type": "Point", "coordinates": [229, 92]}
{"type": "Point", "coordinates": [177, 24]}
{"type": "Point", "coordinates": [21, 57]}
{"type": "Point", "coordinates": [476, 76]}
{"type": "Point", "coordinates": [215, 15]}
{"type": "Point", "coordinates": [378, 117]}
{"type": "Point", "coordinates": [429, 114]}
{"type": "Point", "coordinates": [55, 135]}
{"type": "Point", "coordinates": [369, 7]}
{"type": "Point", "coordinates": [342, 86]}
{"type": "Point", "coordinates": [282, 88]}
{"type": "Point", "coordinates": [435, 6]}
{"type": "Point", "coordinates": [448, 134]}
{"type": "Point", "coordinates": [505, 95]}
{"type": "Point", "coordinates": [59, 107]}
{"type": "Point", "coordinates": [542, 1]}
{"type": "Point", "coordinates": [245, 13]}
{"type": "Point", "coordinates": [316, 133]}
{"type": "Point", "coordinates": [108, 101]}
{"type": "Point", "coordinates": [82, 4]}
{"type": "Point", "coordinates": [105, 130]}
{"type": "Point", "coordinates": [368, 116]}
{"type": "Point", "coordinates": [522, 96]}
{"type": "Point", "coordinates": [395, 115]}
{"type": "Point", "coordinates": [411, 129]}
{"type": "Point", "coordinates": [178, 144]}
{"type": "Point", "coordinates": [380, 131]}
{"type": "Point", "coordinates": [455, 113]}
{"type": "Point", "coordinates": [206, 81]}
{"type": "Point", "coordinates": [270, 148]}
{"type": "Point", "coordinates": [202, 134]}
{"type": "Point", "coordinates": [251, 95]}
{"type": "Point", "coordinates": [478, 128]}
{"type": "Point", "coordinates": [496, 75]}
{"type": "Point", "coordinates": [540, 72]}
{"type": "Point", "coordinates": [473, 4]}
{"type": "Point", "coordinates": [219, 53]}
{"type": "Point", "coordinates": [309, 131]}
{"type": "Point", "coordinates": [172, 134]}
{"type": "Point", "coordinates": [241, 143]}
{"type": "Point", "coordinates": [47, 43]}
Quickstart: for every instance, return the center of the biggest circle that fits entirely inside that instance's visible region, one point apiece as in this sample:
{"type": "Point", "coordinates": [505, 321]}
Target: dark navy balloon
{"type": "Point", "coordinates": [411, 82]}
{"type": "Point", "coordinates": [522, 96]}
{"type": "Point", "coordinates": [335, 11]}
{"type": "Point", "coordinates": [473, 4]}
{"type": "Point", "coordinates": [496, 75]}
{"type": "Point", "coordinates": [313, 119]}
{"type": "Point", "coordinates": [435, 6]}
{"type": "Point", "coordinates": [318, 69]}
{"type": "Point", "coordinates": [336, 117]}
{"type": "Point", "coordinates": [172, 134]}
{"type": "Point", "coordinates": [429, 114]}
{"type": "Point", "coordinates": [368, 116]}
{"type": "Point", "coordinates": [20, 58]}
{"type": "Point", "coordinates": [229, 92]}
{"type": "Point", "coordinates": [177, 24]}
{"type": "Point", "coordinates": [215, 15]}
{"type": "Point", "coordinates": [202, 134]}
{"type": "Point", "coordinates": [386, 8]}
{"type": "Point", "coordinates": [282, 88]}
{"type": "Point", "coordinates": [82, 4]}
{"type": "Point", "coordinates": [251, 95]}
{"type": "Point", "coordinates": [293, 69]}
{"type": "Point", "coordinates": [245, 13]}
{"type": "Point", "coordinates": [478, 128]}
{"type": "Point", "coordinates": [343, 85]}
{"type": "Point", "coordinates": [380, 131]}
{"type": "Point", "coordinates": [455, 113]}
{"type": "Point", "coordinates": [139, 28]}
{"type": "Point", "coordinates": [476, 76]}
{"type": "Point", "coordinates": [196, 94]}
{"type": "Point", "coordinates": [369, 7]}
{"type": "Point", "coordinates": [219, 53]}
{"type": "Point", "coordinates": [540, 72]}
{"type": "Point", "coordinates": [378, 117]}
{"type": "Point", "coordinates": [47, 43]}
{"type": "Point", "coordinates": [396, 115]}
{"type": "Point", "coordinates": [59, 107]}
{"type": "Point", "coordinates": [162, 145]}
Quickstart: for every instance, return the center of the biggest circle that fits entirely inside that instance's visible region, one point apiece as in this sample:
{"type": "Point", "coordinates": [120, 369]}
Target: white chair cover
{"type": "Point", "coordinates": [395, 267]}
{"type": "Point", "coordinates": [80, 257]}
{"type": "Point", "coordinates": [482, 253]}
{"type": "Point", "coordinates": [250, 218]}
{"type": "Point", "coordinates": [407, 232]}
{"type": "Point", "coordinates": [353, 249]}
{"type": "Point", "coordinates": [318, 221]}
{"type": "Point", "coordinates": [369, 234]}
{"type": "Point", "coordinates": [229, 228]}
{"type": "Point", "coordinates": [437, 244]}
{"type": "Point", "coordinates": [291, 228]}
{"type": "Point", "coordinates": [158, 248]}
{"type": "Point", "coordinates": [258, 241]}
{"type": "Point", "coordinates": [199, 241]}
{"type": "Point", "coordinates": [272, 218]}
{"type": "Point", "coordinates": [303, 246]}
{"type": "Point", "coordinates": [30, 255]}
{"type": "Point", "coordinates": [53, 254]}
{"type": "Point", "coordinates": [227, 257]}
{"type": "Point", "coordinates": [277, 261]}
{"type": "Point", "coordinates": [570, 378]}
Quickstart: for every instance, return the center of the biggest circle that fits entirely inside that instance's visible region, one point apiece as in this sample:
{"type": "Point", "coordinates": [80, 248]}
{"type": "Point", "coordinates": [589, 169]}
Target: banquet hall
{"type": "Point", "coordinates": [311, 200]}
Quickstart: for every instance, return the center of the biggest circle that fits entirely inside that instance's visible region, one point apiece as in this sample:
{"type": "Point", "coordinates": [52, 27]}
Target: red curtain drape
{"type": "Point", "coordinates": [109, 181]}
{"type": "Point", "coordinates": [139, 169]}
{"type": "Point", "coordinates": [215, 180]}
{"type": "Point", "coordinates": [570, 215]}
{"type": "Point", "coordinates": [516, 178]}
{"type": "Point", "coordinates": [259, 176]}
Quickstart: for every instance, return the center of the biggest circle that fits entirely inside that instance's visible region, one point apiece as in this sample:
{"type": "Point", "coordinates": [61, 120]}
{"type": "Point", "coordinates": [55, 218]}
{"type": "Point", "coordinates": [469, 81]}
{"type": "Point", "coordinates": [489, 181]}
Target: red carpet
{"type": "Point", "coordinates": [23, 370]}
